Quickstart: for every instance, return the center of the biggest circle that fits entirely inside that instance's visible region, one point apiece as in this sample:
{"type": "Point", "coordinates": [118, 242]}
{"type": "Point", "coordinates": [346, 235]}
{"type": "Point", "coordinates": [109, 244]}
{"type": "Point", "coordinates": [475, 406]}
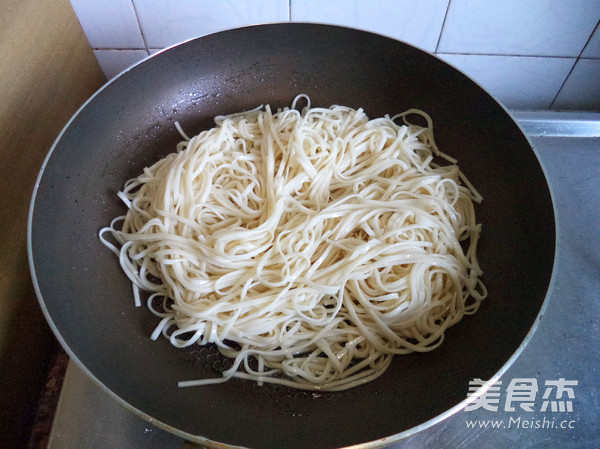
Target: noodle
{"type": "Point", "coordinates": [309, 246]}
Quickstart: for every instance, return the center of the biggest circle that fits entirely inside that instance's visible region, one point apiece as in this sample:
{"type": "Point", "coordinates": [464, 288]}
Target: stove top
{"type": "Point", "coordinates": [547, 398]}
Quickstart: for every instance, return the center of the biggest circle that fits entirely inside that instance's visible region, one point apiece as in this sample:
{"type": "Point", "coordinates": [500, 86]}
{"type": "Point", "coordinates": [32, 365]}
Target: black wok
{"type": "Point", "coordinates": [130, 124]}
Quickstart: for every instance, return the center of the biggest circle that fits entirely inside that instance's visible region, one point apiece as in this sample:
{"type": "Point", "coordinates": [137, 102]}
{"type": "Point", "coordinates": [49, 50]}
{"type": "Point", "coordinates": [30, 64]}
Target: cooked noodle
{"type": "Point", "coordinates": [310, 247]}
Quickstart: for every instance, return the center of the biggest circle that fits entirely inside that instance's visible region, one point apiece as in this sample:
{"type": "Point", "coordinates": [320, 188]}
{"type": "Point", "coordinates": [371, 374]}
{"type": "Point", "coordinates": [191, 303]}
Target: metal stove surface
{"type": "Point", "coordinates": [563, 350]}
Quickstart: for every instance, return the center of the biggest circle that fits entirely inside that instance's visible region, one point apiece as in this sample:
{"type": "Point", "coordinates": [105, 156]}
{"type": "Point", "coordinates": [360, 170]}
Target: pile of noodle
{"type": "Point", "coordinates": [309, 246]}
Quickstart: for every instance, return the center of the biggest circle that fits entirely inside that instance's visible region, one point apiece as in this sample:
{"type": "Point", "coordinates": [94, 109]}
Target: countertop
{"type": "Point", "coordinates": [556, 376]}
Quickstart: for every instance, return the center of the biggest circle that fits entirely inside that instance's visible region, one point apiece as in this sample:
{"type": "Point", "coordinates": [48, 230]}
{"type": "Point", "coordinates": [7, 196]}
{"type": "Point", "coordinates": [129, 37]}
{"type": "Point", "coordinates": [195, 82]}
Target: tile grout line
{"type": "Point", "coordinates": [437, 45]}
{"type": "Point", "coordinates": [137, 18]}
{"type": "Point", "coordinates": [510, 55]}
{"type": "Point", "coordinates": [120, 48]}
{"type": "Point", "coordinates": [562, 85]}
{"type": "Point", "coordinates": [574, 64]}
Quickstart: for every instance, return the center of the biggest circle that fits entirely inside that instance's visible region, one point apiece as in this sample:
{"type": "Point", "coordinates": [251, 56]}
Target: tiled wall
{"type": "Point", "coordinates": [530, 54]}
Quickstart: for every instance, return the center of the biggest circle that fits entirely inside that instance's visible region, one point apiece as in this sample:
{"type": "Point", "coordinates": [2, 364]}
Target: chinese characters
{"type": "Point", "coordinates": [522, 394]}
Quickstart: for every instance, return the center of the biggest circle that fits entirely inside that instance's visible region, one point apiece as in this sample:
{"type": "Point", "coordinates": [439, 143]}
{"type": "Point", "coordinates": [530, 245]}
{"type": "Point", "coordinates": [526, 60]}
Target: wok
{"type": "Point", "coordinates": [129, 124]}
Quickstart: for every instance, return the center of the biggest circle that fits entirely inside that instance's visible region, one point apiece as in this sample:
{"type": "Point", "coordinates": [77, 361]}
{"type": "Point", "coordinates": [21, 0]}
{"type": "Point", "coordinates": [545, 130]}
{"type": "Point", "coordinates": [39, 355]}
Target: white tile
{"type": "Point", "coordinates": [592, 49]}
{"type": "Point", "coordinates": [114, 62]}
{"type": "Point", "coordinates": [418, 22]}
{"type": "Point", "coordinates": [109, 23]}
{"type": "Point", "coordinates": [519, 82]}
{"type": "Point", "coordinates": [582, 89]}
{"type": "Point", "coordinates": [517, 27]}
{"type": "Point", "coordinates": [167, 22]}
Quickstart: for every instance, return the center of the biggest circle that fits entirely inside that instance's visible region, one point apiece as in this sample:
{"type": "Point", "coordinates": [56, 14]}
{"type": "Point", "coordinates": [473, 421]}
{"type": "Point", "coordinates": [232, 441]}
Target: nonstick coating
{"type": "Point", "coordinates": [130, 124]}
